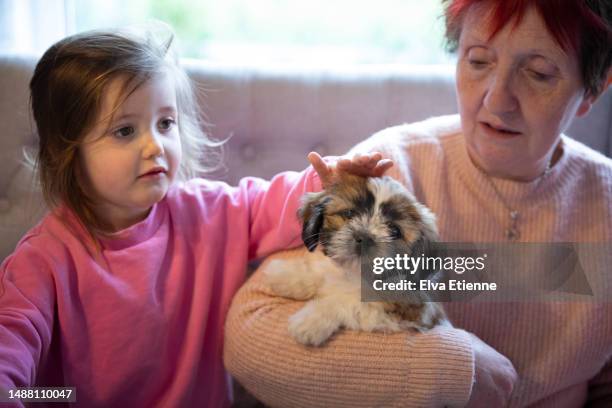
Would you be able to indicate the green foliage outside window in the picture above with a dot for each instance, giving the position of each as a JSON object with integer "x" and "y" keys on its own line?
{"x": 386, "y": 31}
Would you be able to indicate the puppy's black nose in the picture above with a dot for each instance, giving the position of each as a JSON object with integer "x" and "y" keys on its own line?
{"x": 363, "y": 240}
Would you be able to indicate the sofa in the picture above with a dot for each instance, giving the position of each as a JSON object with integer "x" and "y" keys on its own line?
{"x": 272, "y": 115}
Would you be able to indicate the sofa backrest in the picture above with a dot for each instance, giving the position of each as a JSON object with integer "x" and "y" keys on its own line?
{"x": 274, "y": 116}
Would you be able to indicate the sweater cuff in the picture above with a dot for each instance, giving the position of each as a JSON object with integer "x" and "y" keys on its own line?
{"x": 441, "y": 367}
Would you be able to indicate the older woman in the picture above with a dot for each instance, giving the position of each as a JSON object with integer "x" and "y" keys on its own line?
{"x": 500, "y": 171}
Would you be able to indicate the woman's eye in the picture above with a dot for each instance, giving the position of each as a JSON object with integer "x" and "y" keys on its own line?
{"x": 124, "y": 132}
{"x": 347, "y": 214}
{"x": 394, "y": 231}
{"x": 477, "y": 64}
{"x": 539, "y": 76}
{"x": 166, "y": 124}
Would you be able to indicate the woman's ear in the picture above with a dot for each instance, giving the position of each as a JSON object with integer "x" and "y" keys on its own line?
{"x": 589, "y": 99}
{"x": 312, "y": 213}
{"x": 585, "y": 105}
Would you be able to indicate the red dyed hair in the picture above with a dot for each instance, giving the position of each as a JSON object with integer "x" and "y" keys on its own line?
{"x": 582, "y": 27}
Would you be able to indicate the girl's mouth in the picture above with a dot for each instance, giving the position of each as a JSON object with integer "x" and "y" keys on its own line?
{"x": 156, "y": 172}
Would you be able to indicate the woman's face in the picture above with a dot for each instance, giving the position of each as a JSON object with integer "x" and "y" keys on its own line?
{"x": 516, "y": 92}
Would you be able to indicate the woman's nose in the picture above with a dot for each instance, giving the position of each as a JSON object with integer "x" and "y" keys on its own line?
{"x": 500, "y": 97}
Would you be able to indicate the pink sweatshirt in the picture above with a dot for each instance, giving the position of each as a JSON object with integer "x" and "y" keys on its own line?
{"x": 141, "y": 323}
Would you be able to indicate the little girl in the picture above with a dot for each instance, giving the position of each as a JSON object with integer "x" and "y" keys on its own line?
{"x": 122, "y": 289}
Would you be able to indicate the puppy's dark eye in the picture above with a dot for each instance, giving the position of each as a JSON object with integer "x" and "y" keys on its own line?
{"x": 394, "y": 231}
{"x": 347, "y": 214}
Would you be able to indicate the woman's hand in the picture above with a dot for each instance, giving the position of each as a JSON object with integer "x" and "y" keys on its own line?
{"x": 495, "y": 377}
{"x": 365, "y": 165}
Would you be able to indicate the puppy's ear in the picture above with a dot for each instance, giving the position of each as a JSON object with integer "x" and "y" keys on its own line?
{"x": 427, "y": 222}
{"x": 312, "y": 213}
{"x": 426, "y": 245}
{"x": 428, "y": 249}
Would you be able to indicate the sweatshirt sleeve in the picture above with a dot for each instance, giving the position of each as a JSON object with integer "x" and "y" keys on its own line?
{"x": 273, "y": 207}
{"x": 27, "y": 303}
{"x": 354, "y": 369}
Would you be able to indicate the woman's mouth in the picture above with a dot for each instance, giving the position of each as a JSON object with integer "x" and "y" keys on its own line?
{"x": 498, "y": 131}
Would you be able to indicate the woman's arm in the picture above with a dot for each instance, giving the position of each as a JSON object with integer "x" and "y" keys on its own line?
{"x": 354, "y": 369}
{"x": 360, "y": 369}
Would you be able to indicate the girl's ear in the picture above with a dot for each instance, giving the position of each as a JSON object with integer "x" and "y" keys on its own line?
{"x": 312, "y": 214}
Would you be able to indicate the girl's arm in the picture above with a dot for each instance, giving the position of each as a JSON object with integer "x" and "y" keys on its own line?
{"x": 27, "y": 300}
{"x": 354, "y": 369}
{"x": 273, "y": 205}
{"x": 272, "y": 210}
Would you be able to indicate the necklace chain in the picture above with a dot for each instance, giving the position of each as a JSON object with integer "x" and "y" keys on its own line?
{"x": 512, "y": 233}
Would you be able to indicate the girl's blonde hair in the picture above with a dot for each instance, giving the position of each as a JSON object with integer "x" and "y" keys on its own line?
{"x": 66, "y": 93}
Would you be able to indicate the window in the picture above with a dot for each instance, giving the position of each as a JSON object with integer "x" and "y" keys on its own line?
{"x": 319, "y": 31}
{"x": 247, "y": 31}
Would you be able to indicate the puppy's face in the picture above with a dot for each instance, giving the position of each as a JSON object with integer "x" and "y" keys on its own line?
{"x": 365, "y": 217}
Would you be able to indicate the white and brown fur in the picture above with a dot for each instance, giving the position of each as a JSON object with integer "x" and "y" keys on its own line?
{"x": 339, "y": 221}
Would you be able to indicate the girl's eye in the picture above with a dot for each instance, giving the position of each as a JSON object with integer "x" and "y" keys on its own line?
{"x": 347, "y": 214}
{"x": 124, "y": 132}
{"x": 166, "y": 124}
{"x": 394, "y": 231}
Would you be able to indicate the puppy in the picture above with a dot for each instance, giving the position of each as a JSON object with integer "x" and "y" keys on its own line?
{"x": 355, "y": 219}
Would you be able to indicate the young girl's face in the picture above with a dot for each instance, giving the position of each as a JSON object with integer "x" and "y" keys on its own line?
{"x": 131, "y": 156}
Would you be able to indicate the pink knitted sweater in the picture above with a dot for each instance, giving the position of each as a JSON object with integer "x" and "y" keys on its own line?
{"x": 560, "y": 350}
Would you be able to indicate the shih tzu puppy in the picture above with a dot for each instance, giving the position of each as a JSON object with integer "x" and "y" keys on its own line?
{"x": 354, "y": 219}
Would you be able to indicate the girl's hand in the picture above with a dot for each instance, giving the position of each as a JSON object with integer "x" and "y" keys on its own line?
{"x": 365, "y": 165}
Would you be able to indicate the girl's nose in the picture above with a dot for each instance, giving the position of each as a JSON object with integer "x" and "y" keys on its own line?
{"x": 153, "y": 146}
{"x": 500, "y": 97}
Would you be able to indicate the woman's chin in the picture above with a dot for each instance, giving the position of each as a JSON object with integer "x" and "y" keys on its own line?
{"x": 499, "y": 161}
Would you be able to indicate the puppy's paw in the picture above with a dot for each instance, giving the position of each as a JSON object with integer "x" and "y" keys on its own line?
{"x": 291, "y": 280}
{"x": 311, "y": 328}
{"x": 415, "y": 326}
{"x": 431, "y": 315}
{"x": 372, "y": 317}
